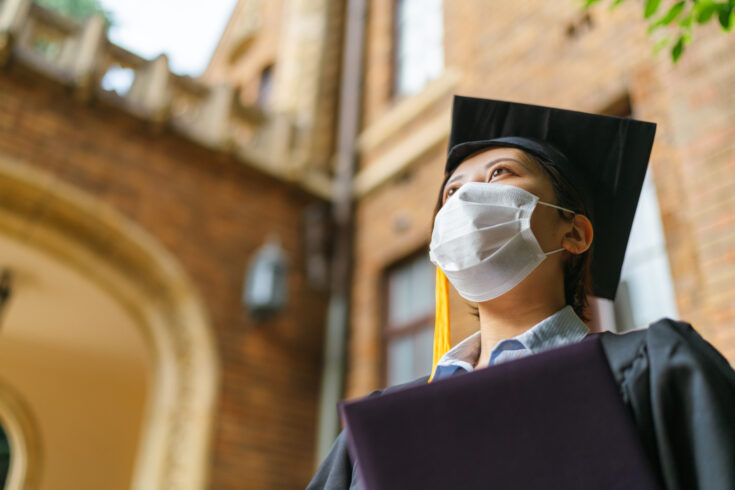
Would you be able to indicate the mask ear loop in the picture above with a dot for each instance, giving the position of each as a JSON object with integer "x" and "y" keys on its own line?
{"x": 557, "y": 207}
{"x": 563, "y": 209}
{"x": 441, "y": 322}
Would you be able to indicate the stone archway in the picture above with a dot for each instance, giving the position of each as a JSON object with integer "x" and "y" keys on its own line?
{"x": 147, "y": 281}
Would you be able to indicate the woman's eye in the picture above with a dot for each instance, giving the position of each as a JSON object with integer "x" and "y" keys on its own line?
{"x": 498, "y": 172}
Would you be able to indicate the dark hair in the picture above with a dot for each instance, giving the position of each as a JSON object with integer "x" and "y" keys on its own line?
{"x": 577, "y": 277}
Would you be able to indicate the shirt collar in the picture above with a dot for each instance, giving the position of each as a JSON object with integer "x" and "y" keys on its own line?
{"x": 563, "y": 327}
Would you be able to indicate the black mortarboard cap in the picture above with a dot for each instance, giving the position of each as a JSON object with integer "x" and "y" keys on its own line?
{"x": 604, "y": 158}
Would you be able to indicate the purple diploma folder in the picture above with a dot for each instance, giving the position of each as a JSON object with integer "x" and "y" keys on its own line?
{"x": 554, "y": 420}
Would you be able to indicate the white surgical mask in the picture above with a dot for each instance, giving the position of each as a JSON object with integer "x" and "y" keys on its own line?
{"x": 482, "y": 239}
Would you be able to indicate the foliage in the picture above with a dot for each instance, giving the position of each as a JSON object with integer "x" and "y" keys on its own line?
{"x": 682, "y": 16}
{"x": 79, "y": 10}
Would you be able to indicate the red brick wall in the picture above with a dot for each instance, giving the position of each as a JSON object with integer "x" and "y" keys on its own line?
{"x": 701, "y": 109}
{"x": 211, "y": 212}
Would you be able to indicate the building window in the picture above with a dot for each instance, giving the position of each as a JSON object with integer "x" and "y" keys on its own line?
{"x": 646, "y": 262}
{"x": 265, "y": 87}
{"x": 409, "y": 325}
{"x": 419, "y": 48}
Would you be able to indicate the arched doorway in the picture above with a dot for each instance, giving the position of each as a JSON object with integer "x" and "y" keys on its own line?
{"x": 4, "y": 457}
{"x": 106, "y": 340}
{"x": 24, "y": 461}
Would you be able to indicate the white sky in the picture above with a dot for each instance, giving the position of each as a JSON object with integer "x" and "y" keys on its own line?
{"x": 186, "y": 30}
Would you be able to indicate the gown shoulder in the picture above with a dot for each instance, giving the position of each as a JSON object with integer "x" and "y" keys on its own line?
{"x": 680, "y": 391}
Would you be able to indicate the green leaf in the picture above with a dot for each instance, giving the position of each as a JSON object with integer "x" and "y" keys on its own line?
{"x": 589, "y": 3}
{"x": 651, "y": 8}
{"x": 678, "y": 49}
{"x": 704, "y": 10}
{"x": 669, "y": 16}
{"x": 726, "y": 16}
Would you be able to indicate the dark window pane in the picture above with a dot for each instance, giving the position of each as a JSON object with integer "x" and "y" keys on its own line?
{"x": 4, "y": 457}
{"x": 400, "y": 360}
{"x": 410, "y": 292}
{"x": 266, "y": 86}
{"x": 410, "y": 328}
{"x": 424, "y": 351}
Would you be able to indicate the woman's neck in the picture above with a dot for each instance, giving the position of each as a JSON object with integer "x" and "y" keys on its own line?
{"x": 511, "y": 315}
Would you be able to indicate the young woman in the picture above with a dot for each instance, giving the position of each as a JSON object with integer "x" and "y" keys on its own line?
{"x": 526, "y": 190}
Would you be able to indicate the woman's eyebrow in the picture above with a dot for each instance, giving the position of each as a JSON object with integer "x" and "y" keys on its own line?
{"x": 454, "y": 177}
{"x": 493, "y": 162}
{"x": 489, "y": 164}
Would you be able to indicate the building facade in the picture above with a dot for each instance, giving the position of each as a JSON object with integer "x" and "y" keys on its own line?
{"x": 130, "y": 219}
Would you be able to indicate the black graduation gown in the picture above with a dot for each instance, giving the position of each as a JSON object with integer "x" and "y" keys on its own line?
{"x": 681, "y": 394}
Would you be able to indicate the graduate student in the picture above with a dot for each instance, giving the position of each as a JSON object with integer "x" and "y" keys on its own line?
{"x": 534, "y": 215}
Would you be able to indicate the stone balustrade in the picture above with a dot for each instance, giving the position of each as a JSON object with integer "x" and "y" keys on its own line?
{"x": 80, "y": 56}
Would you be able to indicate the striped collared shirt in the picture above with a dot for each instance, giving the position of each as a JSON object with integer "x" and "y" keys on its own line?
{"x": 563, "y": 327}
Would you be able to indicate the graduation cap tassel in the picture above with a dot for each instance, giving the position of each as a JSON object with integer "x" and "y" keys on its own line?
{"x": 441, "y": 323}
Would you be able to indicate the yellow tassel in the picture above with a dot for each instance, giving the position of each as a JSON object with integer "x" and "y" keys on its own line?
{"x": 441, "y": 323}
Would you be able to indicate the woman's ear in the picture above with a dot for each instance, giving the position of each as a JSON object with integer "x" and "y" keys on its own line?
{"x": 579, "y": 239}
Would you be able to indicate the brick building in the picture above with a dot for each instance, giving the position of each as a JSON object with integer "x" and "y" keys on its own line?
{"x": 154, "y": 201}
{"x": 129, "y": 220}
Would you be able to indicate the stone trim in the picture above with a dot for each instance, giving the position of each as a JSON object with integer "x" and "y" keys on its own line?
{"x": 406, "y": 111}
{"x": 210, "y": 115}
{"x": 147, "y": 280}
{"x": 399, "y": 158}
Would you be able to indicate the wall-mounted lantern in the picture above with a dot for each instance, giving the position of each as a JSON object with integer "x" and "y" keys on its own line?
{"x": 266, "y": 280}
